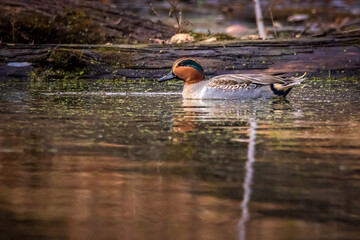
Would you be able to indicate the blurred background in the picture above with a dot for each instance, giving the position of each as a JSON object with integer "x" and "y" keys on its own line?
{"x": 116, "y": 21}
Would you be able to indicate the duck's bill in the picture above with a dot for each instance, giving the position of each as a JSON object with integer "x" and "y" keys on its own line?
{"x": 170, "y": 76}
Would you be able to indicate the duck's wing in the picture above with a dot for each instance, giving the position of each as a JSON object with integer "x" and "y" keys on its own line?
{"x": 245, "y": 80}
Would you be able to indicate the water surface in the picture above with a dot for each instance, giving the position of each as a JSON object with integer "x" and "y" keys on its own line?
{"x": 88, "y": 159}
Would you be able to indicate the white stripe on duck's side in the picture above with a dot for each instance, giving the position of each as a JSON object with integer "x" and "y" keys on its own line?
{"x": 229, "y": 86}
{"x": 211, "y": 90}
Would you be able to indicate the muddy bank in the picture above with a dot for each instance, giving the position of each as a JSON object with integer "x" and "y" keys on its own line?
{"x": 337, "y": 56}
{"x": 90, "y": 22}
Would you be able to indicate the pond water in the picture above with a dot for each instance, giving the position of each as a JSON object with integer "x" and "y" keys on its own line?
{"x": 86, "y": 159}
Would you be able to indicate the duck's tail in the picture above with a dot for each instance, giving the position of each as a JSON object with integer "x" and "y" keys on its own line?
{"x": 290, "y": 82}
{"x": 282, "y": 89}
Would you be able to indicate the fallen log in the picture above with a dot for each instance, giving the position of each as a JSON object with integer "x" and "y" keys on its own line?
{"x": 337, "y": 56}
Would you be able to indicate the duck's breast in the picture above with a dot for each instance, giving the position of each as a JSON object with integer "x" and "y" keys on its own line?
{"x": 195, "y": 90}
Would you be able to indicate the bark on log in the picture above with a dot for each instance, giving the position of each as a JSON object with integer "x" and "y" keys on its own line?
{"x": 338, "y": 56}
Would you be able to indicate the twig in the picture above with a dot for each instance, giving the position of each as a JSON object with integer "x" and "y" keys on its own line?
{"x": 272, "y": 20}
{"x": 13, "y": 30}
{"x": 153, "y": 10}
{"x": 270, "y": 6}
{"x": 180, "y": 20}
{"x": 174, "y": 10}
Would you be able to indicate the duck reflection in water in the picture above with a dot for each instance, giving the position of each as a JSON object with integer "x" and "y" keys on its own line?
{"x": 224, "y": 113}
{"x": 198, "y": 114}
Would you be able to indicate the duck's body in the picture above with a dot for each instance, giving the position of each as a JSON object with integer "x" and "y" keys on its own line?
{"x": 228, "y": 86}
{"x": 239, "y": 86}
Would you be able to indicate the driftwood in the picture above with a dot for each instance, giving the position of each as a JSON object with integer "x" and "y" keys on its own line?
{"x": 338, "y": 56}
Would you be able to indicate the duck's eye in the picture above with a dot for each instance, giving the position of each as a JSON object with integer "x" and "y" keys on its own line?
{"x": 191, "y": 63}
